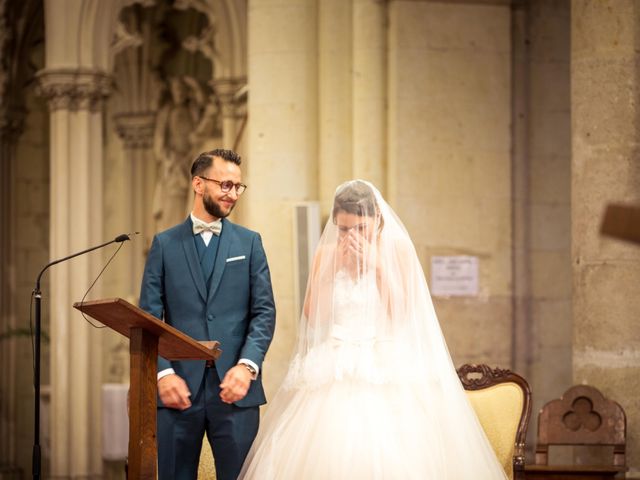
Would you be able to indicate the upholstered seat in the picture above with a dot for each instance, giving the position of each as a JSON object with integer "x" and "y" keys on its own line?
{"x": 502, "y": 402}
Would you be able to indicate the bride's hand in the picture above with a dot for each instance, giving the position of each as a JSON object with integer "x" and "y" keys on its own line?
{"x": 355, "y": 251}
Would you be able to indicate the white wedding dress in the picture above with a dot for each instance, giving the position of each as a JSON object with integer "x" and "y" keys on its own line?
{"x": 371, "y": 392}
{"x": 357, "y": 406}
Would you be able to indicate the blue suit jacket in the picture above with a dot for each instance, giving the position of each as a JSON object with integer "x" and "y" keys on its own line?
{"x": 238, "y": 310}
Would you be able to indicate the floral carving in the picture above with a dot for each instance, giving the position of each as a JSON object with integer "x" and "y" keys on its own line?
{"x": 74, "y": 89}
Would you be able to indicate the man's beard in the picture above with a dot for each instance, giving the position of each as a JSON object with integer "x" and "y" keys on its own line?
{"x": 213, "y": 208}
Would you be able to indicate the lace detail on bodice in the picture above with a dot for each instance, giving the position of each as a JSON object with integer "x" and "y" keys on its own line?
{"x": 356, "y": 307}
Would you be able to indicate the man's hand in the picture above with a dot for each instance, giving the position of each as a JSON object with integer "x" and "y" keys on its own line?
{"x": 174, "y": 392}
{"x": 235, "y": 384}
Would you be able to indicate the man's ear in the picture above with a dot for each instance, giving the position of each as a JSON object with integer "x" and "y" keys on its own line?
{"x": 196, "y": 183}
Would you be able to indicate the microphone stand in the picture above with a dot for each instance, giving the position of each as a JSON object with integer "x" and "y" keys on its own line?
{"x": 36, "y": 458}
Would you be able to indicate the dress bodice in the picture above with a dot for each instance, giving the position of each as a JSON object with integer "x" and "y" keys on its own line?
{"x": 356, "y": 305}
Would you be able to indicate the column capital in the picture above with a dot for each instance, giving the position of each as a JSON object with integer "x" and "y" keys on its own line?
{"x": 136, "y": 129}
{"x": 74, "y": 89}
{"x": 229, "y": 90}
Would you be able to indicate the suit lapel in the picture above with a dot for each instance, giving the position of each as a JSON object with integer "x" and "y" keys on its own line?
{"x": 192, "y": 259}
{"x": 221, "y": 258}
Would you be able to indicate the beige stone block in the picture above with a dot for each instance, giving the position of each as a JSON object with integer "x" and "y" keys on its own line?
{"x": 368, "y": 24}
{"x": 293, "y": 83}
{"x": 549, "y": 31}
{"x": 491, "y": 175}
{"x": 460, "y": 77}
{"x": 549, "y": 134}
{"x": 32, "y": 198}
{"x": 451, "y": 26}
{"x": 552, "y": 374}
{"x": 439, "y": 220}
{"x": 606, "y": 305}
{"x": 495, "y": 224}
{"x": 281, "y": 26}
{"x": 604, "y": 102}
{"x": 604, "y": 28}
{"x": 553, "y": 326}
{"x": 550, "y": 178}
{"x": 550, "y": 274}
{"x": 438, "y": 121}
{"x": 549, "y": 85}
{"x": 477, "y": 330}
{"x": 551, "y": 228}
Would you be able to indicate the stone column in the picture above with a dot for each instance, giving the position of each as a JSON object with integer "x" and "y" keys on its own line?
{"x": 605, "y": 100}
{"x": 11, "y": 124}
{"x": 335, "y": 108}
{"x": 226, "y": 89}
{"x": 369, "y": 91}
{"x": 281, "y": 165}
{"x": 136, "y": 131}
{"x": 76, "y": 223}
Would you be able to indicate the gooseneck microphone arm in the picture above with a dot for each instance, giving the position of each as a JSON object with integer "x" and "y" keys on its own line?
{"x": 37, "y": 294}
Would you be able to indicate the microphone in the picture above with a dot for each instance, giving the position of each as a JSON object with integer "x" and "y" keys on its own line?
{"x": 124, "y": 237}
{"x": 37, "y": 294}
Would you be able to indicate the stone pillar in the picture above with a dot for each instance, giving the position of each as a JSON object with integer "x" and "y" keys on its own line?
{"x": 605, "y": 100}
{"x": 76, "y": 223}
{"x": 11, "y": 123}
{"x": 369, "y": 91}
{"x": 335, "y": 108}
{"x": 136, "y": 131}
{"x": 226, "y": 90}
{"x": 281, "y": 165}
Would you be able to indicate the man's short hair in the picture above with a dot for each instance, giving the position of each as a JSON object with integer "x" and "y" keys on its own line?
{"x": 205, "y": 160}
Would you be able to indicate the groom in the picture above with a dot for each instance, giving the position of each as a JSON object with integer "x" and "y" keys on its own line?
{"x": 210, "y": 279}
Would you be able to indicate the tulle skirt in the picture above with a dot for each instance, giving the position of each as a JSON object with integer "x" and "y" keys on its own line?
{"x": 365, "y": 423}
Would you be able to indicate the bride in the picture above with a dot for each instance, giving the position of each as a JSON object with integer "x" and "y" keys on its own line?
{"x": 371, "y": 392}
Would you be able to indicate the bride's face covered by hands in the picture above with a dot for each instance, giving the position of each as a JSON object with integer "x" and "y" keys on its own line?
{"x": 358, "y": 223}
{"x": 356, "y": 240}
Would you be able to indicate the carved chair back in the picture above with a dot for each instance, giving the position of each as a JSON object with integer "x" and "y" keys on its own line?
{"x": 502, "y": 402}
{"x": 582, "y": 416}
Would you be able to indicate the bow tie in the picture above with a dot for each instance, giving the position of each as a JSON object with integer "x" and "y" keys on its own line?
{"x": 200, "y": 226}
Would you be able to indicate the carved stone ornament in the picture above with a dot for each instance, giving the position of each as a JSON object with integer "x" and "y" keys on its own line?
{"x": 74, "y": 89}
{"x": 135, "y": 129}
{"x": 232, "y": 94}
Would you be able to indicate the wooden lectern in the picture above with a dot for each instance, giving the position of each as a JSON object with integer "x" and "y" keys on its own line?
{"x": 148, "y": 338}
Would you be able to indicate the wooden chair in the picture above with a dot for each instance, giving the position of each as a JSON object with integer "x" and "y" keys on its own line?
{"x": 582, "y": 416}
{"x": 502, "y": 402}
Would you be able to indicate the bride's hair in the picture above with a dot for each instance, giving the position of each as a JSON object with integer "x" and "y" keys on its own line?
{"x": 357, "y": 198}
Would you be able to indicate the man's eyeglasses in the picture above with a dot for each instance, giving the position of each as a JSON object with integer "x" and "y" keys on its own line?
{"x": 227, "y": 185}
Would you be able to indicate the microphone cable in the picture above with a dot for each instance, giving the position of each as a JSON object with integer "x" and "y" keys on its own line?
{"x": 96, "y": 279}
{"x": 119, "y": 239}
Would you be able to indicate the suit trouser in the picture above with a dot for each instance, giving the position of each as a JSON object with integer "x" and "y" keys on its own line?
{"x": 230, "y": 430}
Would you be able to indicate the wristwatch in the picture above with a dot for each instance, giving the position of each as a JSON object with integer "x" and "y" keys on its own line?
{"x": 252, "y": 370}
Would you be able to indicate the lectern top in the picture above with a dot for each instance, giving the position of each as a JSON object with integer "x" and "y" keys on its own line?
{"x": 122, "y": 316}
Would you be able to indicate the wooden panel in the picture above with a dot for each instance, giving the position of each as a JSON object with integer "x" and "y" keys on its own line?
{"x": 143, "y": 461}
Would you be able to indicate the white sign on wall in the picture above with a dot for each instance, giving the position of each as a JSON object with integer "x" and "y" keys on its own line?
{"x": 454, "y": 276}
